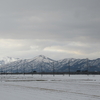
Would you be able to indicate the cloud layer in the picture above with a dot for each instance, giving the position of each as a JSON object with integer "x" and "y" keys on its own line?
{"x": 55, "y": 28}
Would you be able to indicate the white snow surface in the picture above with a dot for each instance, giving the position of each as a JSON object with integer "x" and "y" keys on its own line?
{"x": 49, "y": 87}
{"x": 5, "y": 60}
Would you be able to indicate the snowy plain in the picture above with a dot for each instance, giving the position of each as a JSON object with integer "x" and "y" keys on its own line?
{"x": 49, "y": 87}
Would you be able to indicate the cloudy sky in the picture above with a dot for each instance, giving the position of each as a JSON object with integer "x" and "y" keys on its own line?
{"x": 55, "y": 28}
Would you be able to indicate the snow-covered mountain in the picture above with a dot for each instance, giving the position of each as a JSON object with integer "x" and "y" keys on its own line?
{"x": 5, "y": 60}
{"x": 45, "y": 64}
{"x": 39, "y": 63}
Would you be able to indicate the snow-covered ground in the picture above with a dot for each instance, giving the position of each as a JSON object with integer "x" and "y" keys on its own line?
{"x": 49, "y": 87}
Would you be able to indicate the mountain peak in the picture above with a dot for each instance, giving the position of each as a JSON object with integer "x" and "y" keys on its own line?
{"x": 41, "y": 56}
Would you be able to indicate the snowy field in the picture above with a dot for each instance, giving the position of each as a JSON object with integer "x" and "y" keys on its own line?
{"x": 49, "y": 87}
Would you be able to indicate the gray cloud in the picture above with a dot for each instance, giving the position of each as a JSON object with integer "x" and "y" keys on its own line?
{"x": 71, "y": 25}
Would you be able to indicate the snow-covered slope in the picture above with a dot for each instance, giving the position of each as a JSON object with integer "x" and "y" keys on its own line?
{"x": 45, "y": 64}
{"x": 5, "y": 60}
{"x": 39, "y": 63}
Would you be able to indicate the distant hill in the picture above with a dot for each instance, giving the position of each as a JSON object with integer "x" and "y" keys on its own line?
{"x": 45, "y": 64}
{"x": 5, "y": 60}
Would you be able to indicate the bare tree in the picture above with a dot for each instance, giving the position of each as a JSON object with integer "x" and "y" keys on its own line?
{"x": 87, "y": 66}
{"x": 69, "y": 67}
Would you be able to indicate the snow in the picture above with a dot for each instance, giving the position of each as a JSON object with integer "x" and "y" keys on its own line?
{"x": 14, "y": 65}
{"x": 5, "y": 60}
{"x": 49, "y": 87}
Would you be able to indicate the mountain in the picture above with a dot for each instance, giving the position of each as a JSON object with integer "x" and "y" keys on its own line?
{"x": 45, "y": 64}
{"x": 5, "y": 60}
{"x": 39, "y": 63}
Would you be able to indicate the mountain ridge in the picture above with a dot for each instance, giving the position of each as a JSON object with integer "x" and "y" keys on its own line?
{"x": 7, "y": 59}
{"x": 44, "y": 64}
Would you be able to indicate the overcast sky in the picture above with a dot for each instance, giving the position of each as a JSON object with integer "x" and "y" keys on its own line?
{"x": 55, "y": 28}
